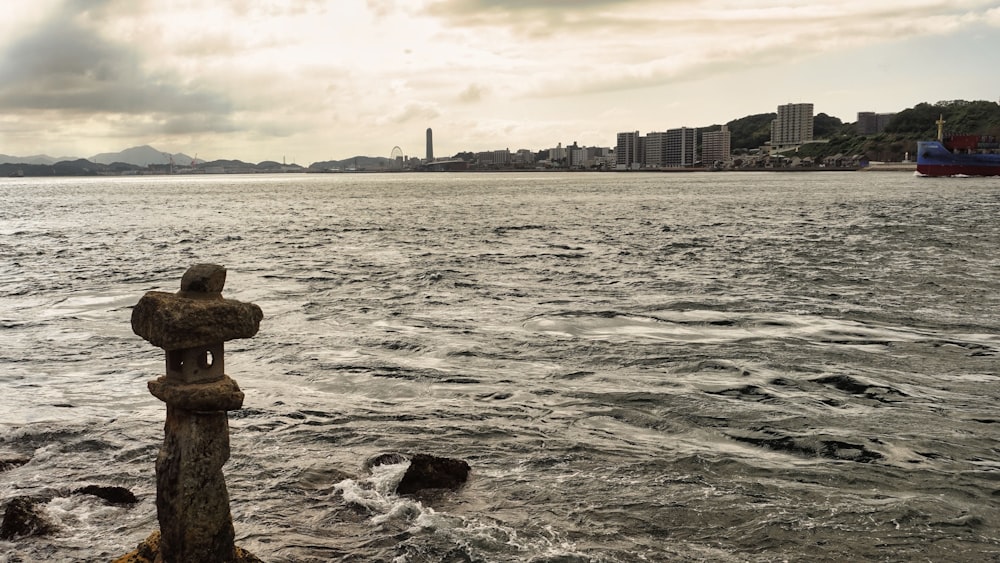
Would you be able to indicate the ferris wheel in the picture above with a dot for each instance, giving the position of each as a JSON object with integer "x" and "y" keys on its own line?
{"x": 396, "y": 157}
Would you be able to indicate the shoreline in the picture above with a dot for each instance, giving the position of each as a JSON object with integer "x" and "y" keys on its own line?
{"x": 875, "y": 167}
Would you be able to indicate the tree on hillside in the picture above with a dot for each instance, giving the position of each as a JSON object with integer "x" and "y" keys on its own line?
{"x": 961, "y": 117}
{"x": 825, "y": 126}
{"x": 751, "y": 131}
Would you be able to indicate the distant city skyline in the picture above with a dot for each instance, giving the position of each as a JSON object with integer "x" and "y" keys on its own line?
{"x": 321, "y": 80}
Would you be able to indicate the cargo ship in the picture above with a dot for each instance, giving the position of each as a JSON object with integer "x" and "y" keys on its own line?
{"x": 959, "y": 155}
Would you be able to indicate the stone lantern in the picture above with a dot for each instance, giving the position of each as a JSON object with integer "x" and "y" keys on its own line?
{"x": 192, "y": 325}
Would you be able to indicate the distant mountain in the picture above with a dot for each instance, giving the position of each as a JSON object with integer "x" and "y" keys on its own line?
{"x": 356, "y": 163}
{"x": 36, "y": 159}
{"x": 141, "y": 156}
{"x": 72, "y": 167}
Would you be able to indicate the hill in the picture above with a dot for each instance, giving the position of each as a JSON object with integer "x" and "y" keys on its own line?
{"x": 75, "y": 167}
{"x": 751, "y": 131}
{"x": 42, "y": 159}
{"x": 355, "y": 163}
{"x": 141, "y": 156}
{"x": 899, "y": 140}
{"x": 960, "y": 116}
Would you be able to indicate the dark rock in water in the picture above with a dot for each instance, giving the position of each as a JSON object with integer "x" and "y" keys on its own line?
{"x": 24, "y": 518}
{"x": 10, "y": 463}
{"x": 430, "y": 472}
{"x": 114, "y": 495}
{"x": 391, "y": 458}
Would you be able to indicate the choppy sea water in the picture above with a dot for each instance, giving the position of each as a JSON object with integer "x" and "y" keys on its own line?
{"x": 638, "y": 367}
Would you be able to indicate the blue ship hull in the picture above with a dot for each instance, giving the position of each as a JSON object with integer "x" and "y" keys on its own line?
{"x": 934, "y": 159}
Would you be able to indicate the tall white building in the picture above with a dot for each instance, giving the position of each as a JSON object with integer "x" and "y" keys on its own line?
{"x": 793, "y": 126}
{"x": 716, "y": 147}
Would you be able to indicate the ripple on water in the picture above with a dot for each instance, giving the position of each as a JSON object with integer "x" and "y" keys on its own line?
{"x": 638, "y": 367}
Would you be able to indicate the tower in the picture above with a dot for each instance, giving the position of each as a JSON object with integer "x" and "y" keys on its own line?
{"x": 430, "y": 145}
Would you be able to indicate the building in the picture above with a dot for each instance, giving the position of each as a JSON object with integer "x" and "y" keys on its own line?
{"x": 430, "y": 145}
{"x": 494, "y": 159}
{"x": 523, "y": 157}
{"x": 681, "y": 149}
{"x": 793, "y": 126}
{"x": 654, "y": 154}
{"x": 673, "y": 148}
{"x": 871, "y": 123}
{"x": 590, "y": 157}
{"x": 628, "y": 153}
{"x": 716, "y": 147}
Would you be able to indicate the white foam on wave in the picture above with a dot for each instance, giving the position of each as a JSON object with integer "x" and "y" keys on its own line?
{"x": 475, "y": 535}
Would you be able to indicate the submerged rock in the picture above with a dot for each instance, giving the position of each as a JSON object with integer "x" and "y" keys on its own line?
{"x": 114, "y": 495}
{"x": 6, "y": 464}
{"x": 24, "y": 517}
{"x": 430, "y": 472}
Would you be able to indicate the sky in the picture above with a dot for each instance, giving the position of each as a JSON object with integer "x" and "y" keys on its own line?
{"x": 314, "y": 80}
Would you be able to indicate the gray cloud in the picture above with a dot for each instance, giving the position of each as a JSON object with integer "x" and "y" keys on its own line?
{"x": 473, "y": 93}
{"x": 605, "y": 19}
{"x": 67, "y": 67}
{"x": 412, "y": 111}
{"x": 534, "y": 17}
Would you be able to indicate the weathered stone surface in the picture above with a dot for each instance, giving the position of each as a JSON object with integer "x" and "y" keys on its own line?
{"x": 197, "y": 365}
{"x": 173, "y": 322}
{"x": 192, "y": 503}
{"x": 149, "y": 549}
{"x": 114, "y": 495}
{"x": 430, "y": 472}
{"x": 24, "y": 517}
{"x": 204, "y": 278}
{"x": 222, "y": 395}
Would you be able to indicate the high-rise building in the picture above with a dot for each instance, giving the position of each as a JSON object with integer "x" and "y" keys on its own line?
{"x": 430, "y": 145}
{"x": 716, "y": 146}
{"x": 654, "y": 154}
{"x": 793, "y": 126}
{"x": 681, "y": 149}
{"x": 871, "y": 123}
{"x": 627, "y": 151}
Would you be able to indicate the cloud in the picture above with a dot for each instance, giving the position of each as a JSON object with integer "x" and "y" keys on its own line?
{"x": 992, "y": 17}
{"x": 381, "y": 8}
{"x": 473, "y": 93}
{"x": 65, "y": 66}
{"x": 593, "y": 46}
{"x": 408, "y": 112}
{"x": 527, "y": 17}
{"x": 274, "y": 8}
